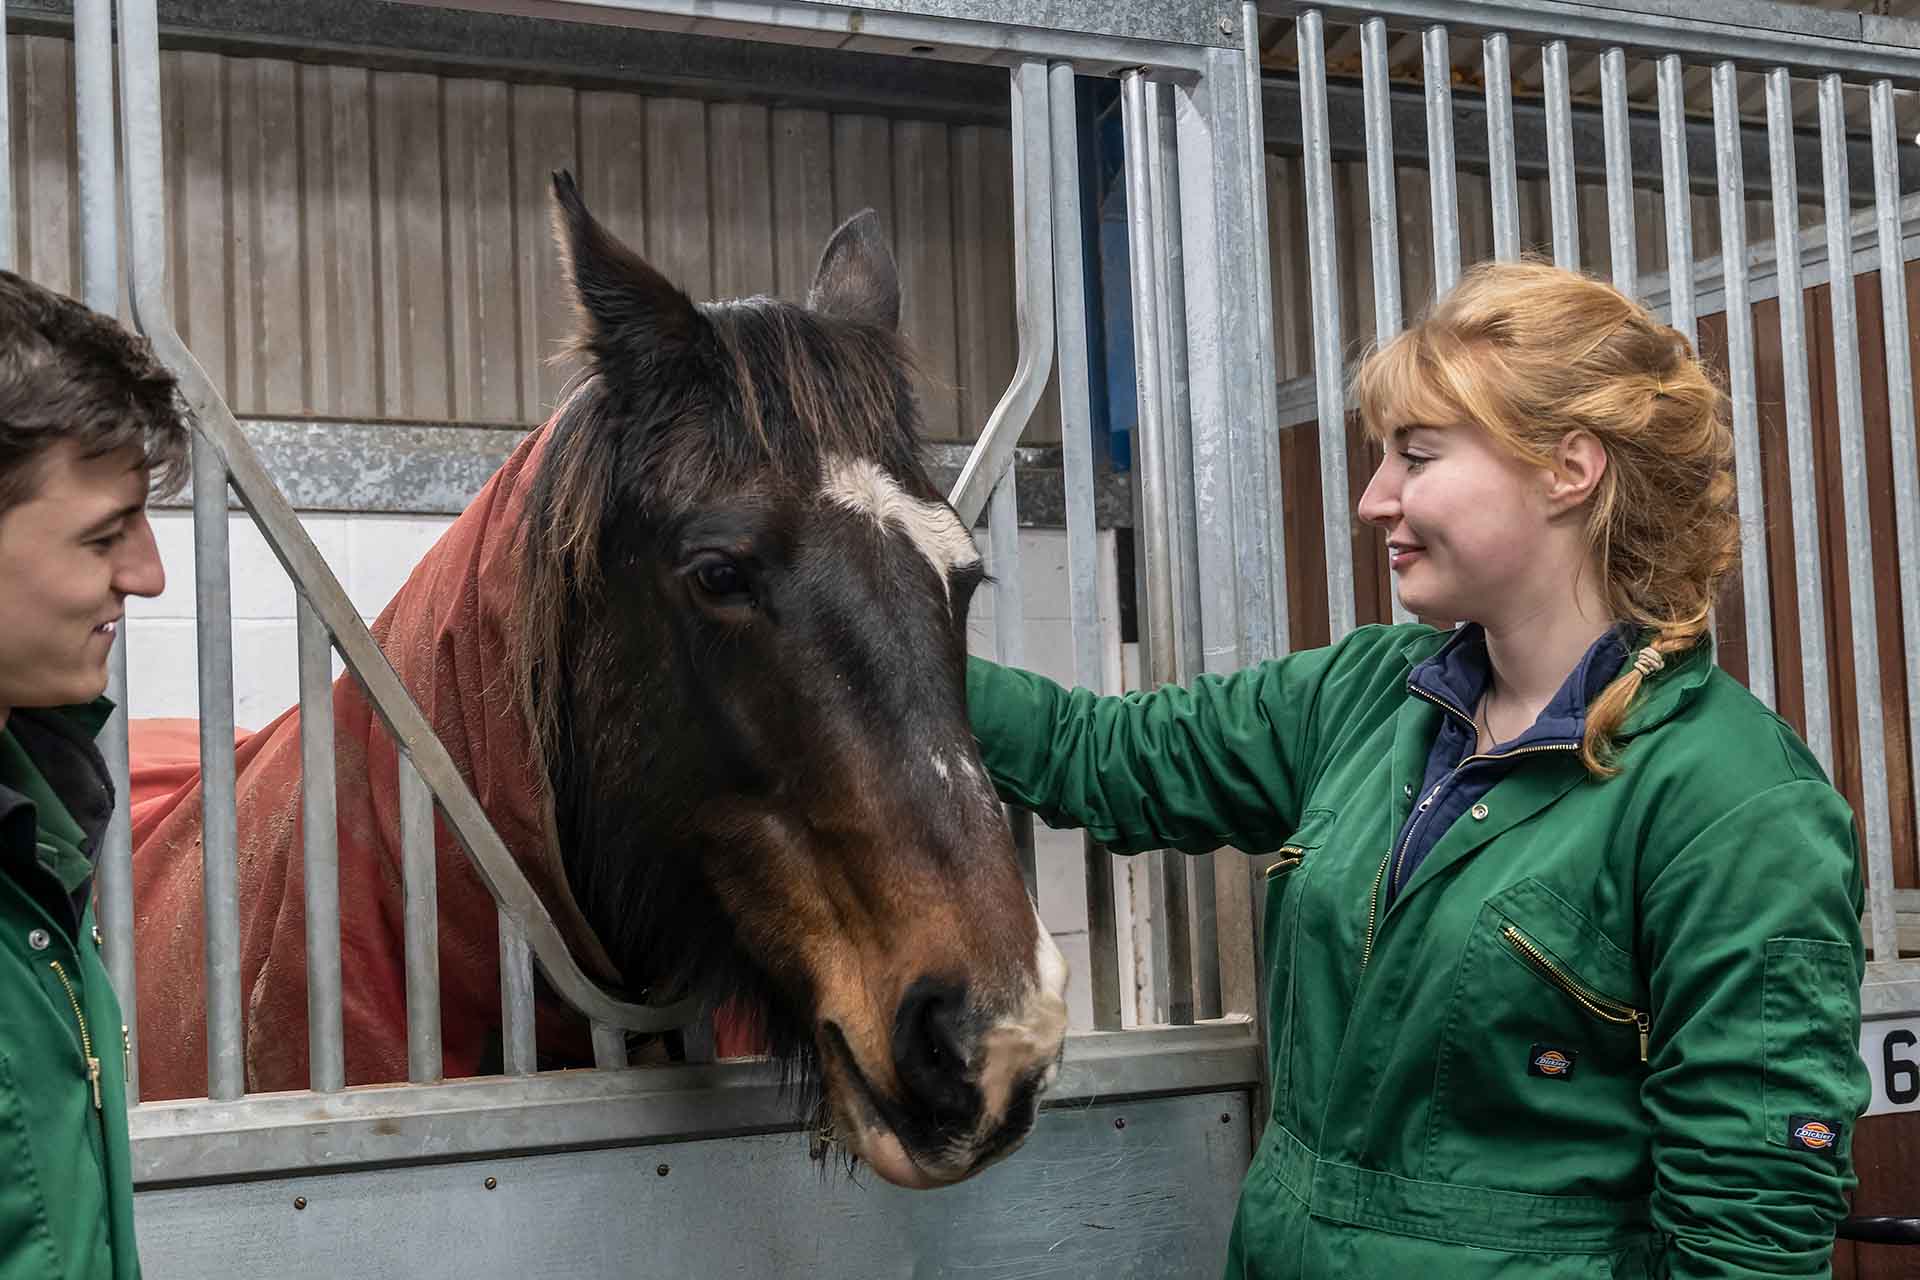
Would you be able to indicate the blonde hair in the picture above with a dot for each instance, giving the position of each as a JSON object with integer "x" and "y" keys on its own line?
{"x": 1532, "y": 353}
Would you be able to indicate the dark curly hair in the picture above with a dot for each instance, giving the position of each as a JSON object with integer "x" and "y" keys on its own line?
{"x": 69, "y": 373}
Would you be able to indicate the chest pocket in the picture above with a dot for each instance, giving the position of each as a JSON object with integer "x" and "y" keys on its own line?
{"x": 1544, "y": 1041}
{"x": 1285, "y": 872}
{"x": 1561, "y": 948}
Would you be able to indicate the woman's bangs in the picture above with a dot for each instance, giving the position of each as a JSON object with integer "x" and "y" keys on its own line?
{"x": 1398, "y": 386}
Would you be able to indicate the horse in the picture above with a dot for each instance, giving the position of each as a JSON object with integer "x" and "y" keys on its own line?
{"x": 699, "y": 647}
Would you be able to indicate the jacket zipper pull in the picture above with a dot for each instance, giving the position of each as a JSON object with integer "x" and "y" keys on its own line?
{"x": 93, "y": 1078}
{"x": 126, "y": 1048}
{"x": 1643, "y": 1022}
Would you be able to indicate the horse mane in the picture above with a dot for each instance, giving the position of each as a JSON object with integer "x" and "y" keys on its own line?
{"x": 755, "y": 407}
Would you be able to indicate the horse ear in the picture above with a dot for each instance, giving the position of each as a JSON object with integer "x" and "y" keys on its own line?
{"x": 629, "y": 312}
{"x": 857, "y": 279}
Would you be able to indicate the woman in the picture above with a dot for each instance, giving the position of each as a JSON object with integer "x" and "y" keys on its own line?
{"x": 1562, "y": 940}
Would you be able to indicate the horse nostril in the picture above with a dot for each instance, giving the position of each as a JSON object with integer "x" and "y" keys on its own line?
{"x": 929, "y": 1052}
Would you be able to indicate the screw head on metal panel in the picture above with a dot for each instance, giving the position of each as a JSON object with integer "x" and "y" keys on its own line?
{"x": 1119, "y": 1122}
{"x": 1226, "y": 25}
{"x": 1226, "y": 1117}
{"x": 491, "y": 1183}
{"x": 662, "y": 1170}
{"x": 299, "y": 1202}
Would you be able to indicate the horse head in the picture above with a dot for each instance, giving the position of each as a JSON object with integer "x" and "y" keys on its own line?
{"x": 745, "y": 608}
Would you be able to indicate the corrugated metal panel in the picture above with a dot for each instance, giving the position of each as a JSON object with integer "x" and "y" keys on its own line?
{"x": 349, "y": 243}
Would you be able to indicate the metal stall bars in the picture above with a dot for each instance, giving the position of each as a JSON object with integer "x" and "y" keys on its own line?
{"x": 355, "y": 1134}
{"x": 1767, "y": 45}
{"x": 222, "y": 455}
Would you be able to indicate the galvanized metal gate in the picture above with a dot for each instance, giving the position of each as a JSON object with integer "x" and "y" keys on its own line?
{"x": 590, "y": 1172}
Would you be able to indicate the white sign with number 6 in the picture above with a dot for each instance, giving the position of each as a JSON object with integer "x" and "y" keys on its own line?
{"x": 1891, "y": 1050}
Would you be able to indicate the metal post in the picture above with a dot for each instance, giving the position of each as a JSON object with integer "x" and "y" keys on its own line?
{"x": 147, "y": 245}
{"x": 518, "y": 1051}
{"x": 1504, "y": 183}
{"x": 1843, "y": 306}
{"x": 1033, "y": 296}
{"x": 1076, "y": 460}
{"x": 1163, "y": 151}
{"x": 1740, "y": 371}
{"x": 1560, "y": 182}
{"x": 1174, "y": 974}
{"x": 100, "y": 290}
{"x": 320, "y": 851}
{"x": 1673, "y": 172}
{"x": 1620, "y": 229}
{"x": 1150, "y": 375}
{"x": 1900, "y": 418}
{"x": 1009, "y": 630}
{"x": 1194, "y": 876}
{"x": 1263, "y": 502}
{"x": 1033, "y": 287}
{"x": 1437, "y": 75}
{"x": 1793, "y": 352}
{"x": 1329, "y": 373}
{"x": 6, "y": 150}
{"x": 1383, "y": 218}
{"x": 419, "y": 876}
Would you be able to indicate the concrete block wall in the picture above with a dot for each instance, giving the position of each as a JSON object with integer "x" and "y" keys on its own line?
{"x": 373, "y": 554}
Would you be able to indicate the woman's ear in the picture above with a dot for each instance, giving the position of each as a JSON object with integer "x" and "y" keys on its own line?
{"x": 1579, "y": 463}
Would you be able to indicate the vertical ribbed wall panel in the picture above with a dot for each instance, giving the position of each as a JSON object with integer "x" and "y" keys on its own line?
{"x": 376, "y": 245}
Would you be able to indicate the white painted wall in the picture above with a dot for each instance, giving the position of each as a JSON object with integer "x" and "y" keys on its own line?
{"x": 372, "y": 555}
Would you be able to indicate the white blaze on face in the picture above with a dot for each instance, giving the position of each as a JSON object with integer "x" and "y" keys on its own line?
{"x": 936, "y": 533}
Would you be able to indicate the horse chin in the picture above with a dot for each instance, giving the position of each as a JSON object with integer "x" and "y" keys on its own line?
{"x": 888, "y": 1157}
{"x": 862, "y": 1129}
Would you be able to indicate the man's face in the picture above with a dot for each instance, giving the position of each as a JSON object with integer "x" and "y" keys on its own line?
{"x": 70, "y": 555}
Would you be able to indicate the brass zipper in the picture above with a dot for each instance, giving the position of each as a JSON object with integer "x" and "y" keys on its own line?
{"x": 1395, "y": 855}
{"x": 86, "y": 1040}
{"x": 1289, "y": 857}
{"x": 1373, "y": 910}
{"x": 1602, "y": 1007}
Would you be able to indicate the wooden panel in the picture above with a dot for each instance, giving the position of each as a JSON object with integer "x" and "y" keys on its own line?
{"x": 1414, "y": 208}
{"x": 1886, "y": 579}
{"x": 198, "y": 225}
{"x": 543, "y": 140}
{"x": 338, "y": 161}
{"x": 412, "y": 249}
{"x": 679, "y": 195}
{"x": 742, "y": 183}
{"x": 270, "y": 320}
{"x": 1292, "y": 314}
{"x": 923, "y": 246}
{"x": 983, "y": 235}
{"x": 803, "y": 188}
{"x": 613, "y": 164}
{"x": 483, "y": 281}
{"x": 1886, "y": 1157}
{"x": 863, "y": 169}
{"x": 46, "y": 195}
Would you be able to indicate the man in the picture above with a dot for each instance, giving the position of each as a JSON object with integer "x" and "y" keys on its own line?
{"x": 87, "y": 418}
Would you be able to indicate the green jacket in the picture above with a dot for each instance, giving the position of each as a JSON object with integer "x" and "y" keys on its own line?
{"x": 66, "y": 1181}
{"x": 1607, "y": 1029}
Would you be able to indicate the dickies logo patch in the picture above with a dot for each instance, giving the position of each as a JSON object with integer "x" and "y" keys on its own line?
{"x": 1805, "y": 1133}
{"x": 1550, "y": 1061}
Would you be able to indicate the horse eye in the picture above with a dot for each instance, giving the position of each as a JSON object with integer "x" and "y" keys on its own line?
{"x": 721, "y": 579}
